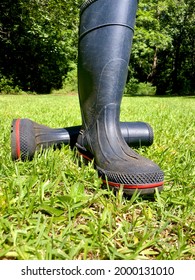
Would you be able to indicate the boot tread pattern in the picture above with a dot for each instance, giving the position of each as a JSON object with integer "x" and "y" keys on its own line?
{"x": 132, "y": 179}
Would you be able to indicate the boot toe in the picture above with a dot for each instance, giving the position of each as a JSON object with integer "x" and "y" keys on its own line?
{"x": 143, "y": 177}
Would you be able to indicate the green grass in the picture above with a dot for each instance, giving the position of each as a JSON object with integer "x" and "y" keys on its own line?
{"x": 50, "y": 208}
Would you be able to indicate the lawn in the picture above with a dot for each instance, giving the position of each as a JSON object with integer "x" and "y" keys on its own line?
{"x": 51, "y": 208}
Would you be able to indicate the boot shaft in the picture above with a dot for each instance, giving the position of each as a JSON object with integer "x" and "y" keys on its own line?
{"x": 96, "y": 14}
{"x": 105, "y": 39}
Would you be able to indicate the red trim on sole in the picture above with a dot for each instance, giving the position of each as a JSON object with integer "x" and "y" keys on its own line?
{"x": 85, "y": 157}
{"x": 146, "y": 186}
{"x": 17, "y": 131}
{"x": 117, "y": 185}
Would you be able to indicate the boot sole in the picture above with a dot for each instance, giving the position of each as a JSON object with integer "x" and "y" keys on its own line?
{"x": 15, "y": 139}
{"x": 128, "y": 189}
{"x": 22, "y": 140}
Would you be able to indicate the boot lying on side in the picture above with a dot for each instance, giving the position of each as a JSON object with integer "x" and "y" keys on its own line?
{"x": 28, "y": 137}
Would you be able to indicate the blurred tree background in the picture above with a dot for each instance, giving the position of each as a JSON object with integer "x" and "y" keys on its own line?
{"x": 38, "y": 47}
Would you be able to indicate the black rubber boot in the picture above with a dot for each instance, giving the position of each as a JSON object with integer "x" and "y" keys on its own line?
{"x": 27, "y": 137}
{"x": 106, "y": 32}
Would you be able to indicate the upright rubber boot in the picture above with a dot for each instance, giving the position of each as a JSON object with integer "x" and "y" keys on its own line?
{"x": 105, "y": 39}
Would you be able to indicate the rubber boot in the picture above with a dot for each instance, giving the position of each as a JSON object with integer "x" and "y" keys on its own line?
{"x": 105, "y": 39}
{"x": 27, "y": 137}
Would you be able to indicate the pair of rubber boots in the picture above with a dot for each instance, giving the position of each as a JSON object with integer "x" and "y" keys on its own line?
{"x": 105, "y": 40}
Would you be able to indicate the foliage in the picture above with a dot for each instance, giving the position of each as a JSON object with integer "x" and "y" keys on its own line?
{"x": 142, "y": 89}
{"x": 7, "y": 86}
{"x": 163, "y": 49}
{"x": 131, "y": 87}
{"x": 38, "y": 40}
{"x": 71, "y": 81}
{"x": 38, "y": 44}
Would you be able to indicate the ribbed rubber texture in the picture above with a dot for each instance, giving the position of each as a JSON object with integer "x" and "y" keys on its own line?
{"x": 137, "y": 179}
{"x": 23, "y": 144}
{"x": 27, "y": 137}
{"x": 145, "y": 182}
